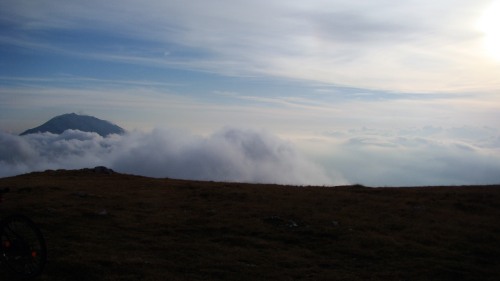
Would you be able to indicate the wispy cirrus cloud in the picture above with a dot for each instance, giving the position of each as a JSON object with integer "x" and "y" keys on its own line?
{"x": 407, "y": 46}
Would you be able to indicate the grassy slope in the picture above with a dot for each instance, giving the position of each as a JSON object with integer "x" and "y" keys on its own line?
{"x": 162, "y": 229}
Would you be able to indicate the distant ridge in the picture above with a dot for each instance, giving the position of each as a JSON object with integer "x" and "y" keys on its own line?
{"x": 73, "y": 121}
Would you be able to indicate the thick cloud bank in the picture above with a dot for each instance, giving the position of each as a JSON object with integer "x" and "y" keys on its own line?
{"x": 433, "y": 156}
{"x": 226, "y": 155}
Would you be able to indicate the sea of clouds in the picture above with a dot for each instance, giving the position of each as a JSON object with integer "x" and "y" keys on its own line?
{"x": 414, "y": 157}
{"x": 228, "y": 154}
{"x": 425, "y": 156}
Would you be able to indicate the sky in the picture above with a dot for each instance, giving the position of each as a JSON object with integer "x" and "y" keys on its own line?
{"x": 380, "y": 93}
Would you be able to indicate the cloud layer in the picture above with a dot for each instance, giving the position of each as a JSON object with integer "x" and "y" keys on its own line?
{"x": 226, "y": 155}
{"x": 417, "y": 157}
{"x": 422, "y": 156}
{"x": 390, "y": 45}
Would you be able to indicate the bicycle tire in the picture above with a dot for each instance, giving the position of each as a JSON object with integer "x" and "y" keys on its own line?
{"x": 23, "y": 248}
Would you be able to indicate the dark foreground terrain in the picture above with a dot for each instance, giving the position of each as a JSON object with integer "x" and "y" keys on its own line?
{"x": 101, "y": 226}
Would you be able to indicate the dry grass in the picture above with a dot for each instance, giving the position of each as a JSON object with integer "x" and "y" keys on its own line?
{"x": 121, "y": 227}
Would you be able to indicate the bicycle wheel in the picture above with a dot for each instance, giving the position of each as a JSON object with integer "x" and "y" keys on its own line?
{"x": 23, "y": 248}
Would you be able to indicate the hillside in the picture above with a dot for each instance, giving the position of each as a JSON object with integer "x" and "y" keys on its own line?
{"x": 73, "y": 121}
{"x": 108, "y": 226}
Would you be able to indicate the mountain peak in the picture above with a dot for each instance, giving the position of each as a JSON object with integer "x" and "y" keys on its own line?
{"x": 73, "y": 121}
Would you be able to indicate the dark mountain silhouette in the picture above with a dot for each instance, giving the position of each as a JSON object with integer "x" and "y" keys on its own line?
{"x": 84, "y": 123}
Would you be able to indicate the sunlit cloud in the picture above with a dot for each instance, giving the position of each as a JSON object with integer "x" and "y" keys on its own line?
{"x": 488, "y": 24}
{"x": 405, "y": 46}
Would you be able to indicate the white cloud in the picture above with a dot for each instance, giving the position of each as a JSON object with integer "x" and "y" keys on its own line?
{"x": 226, "y": 155}
{"x": 390, "y": 45}
{"x": 403, "y": 47}
{"x": 413, "y": 157}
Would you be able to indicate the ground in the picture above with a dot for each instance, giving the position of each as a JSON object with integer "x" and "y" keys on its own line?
{"x": 110, "y": 226}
